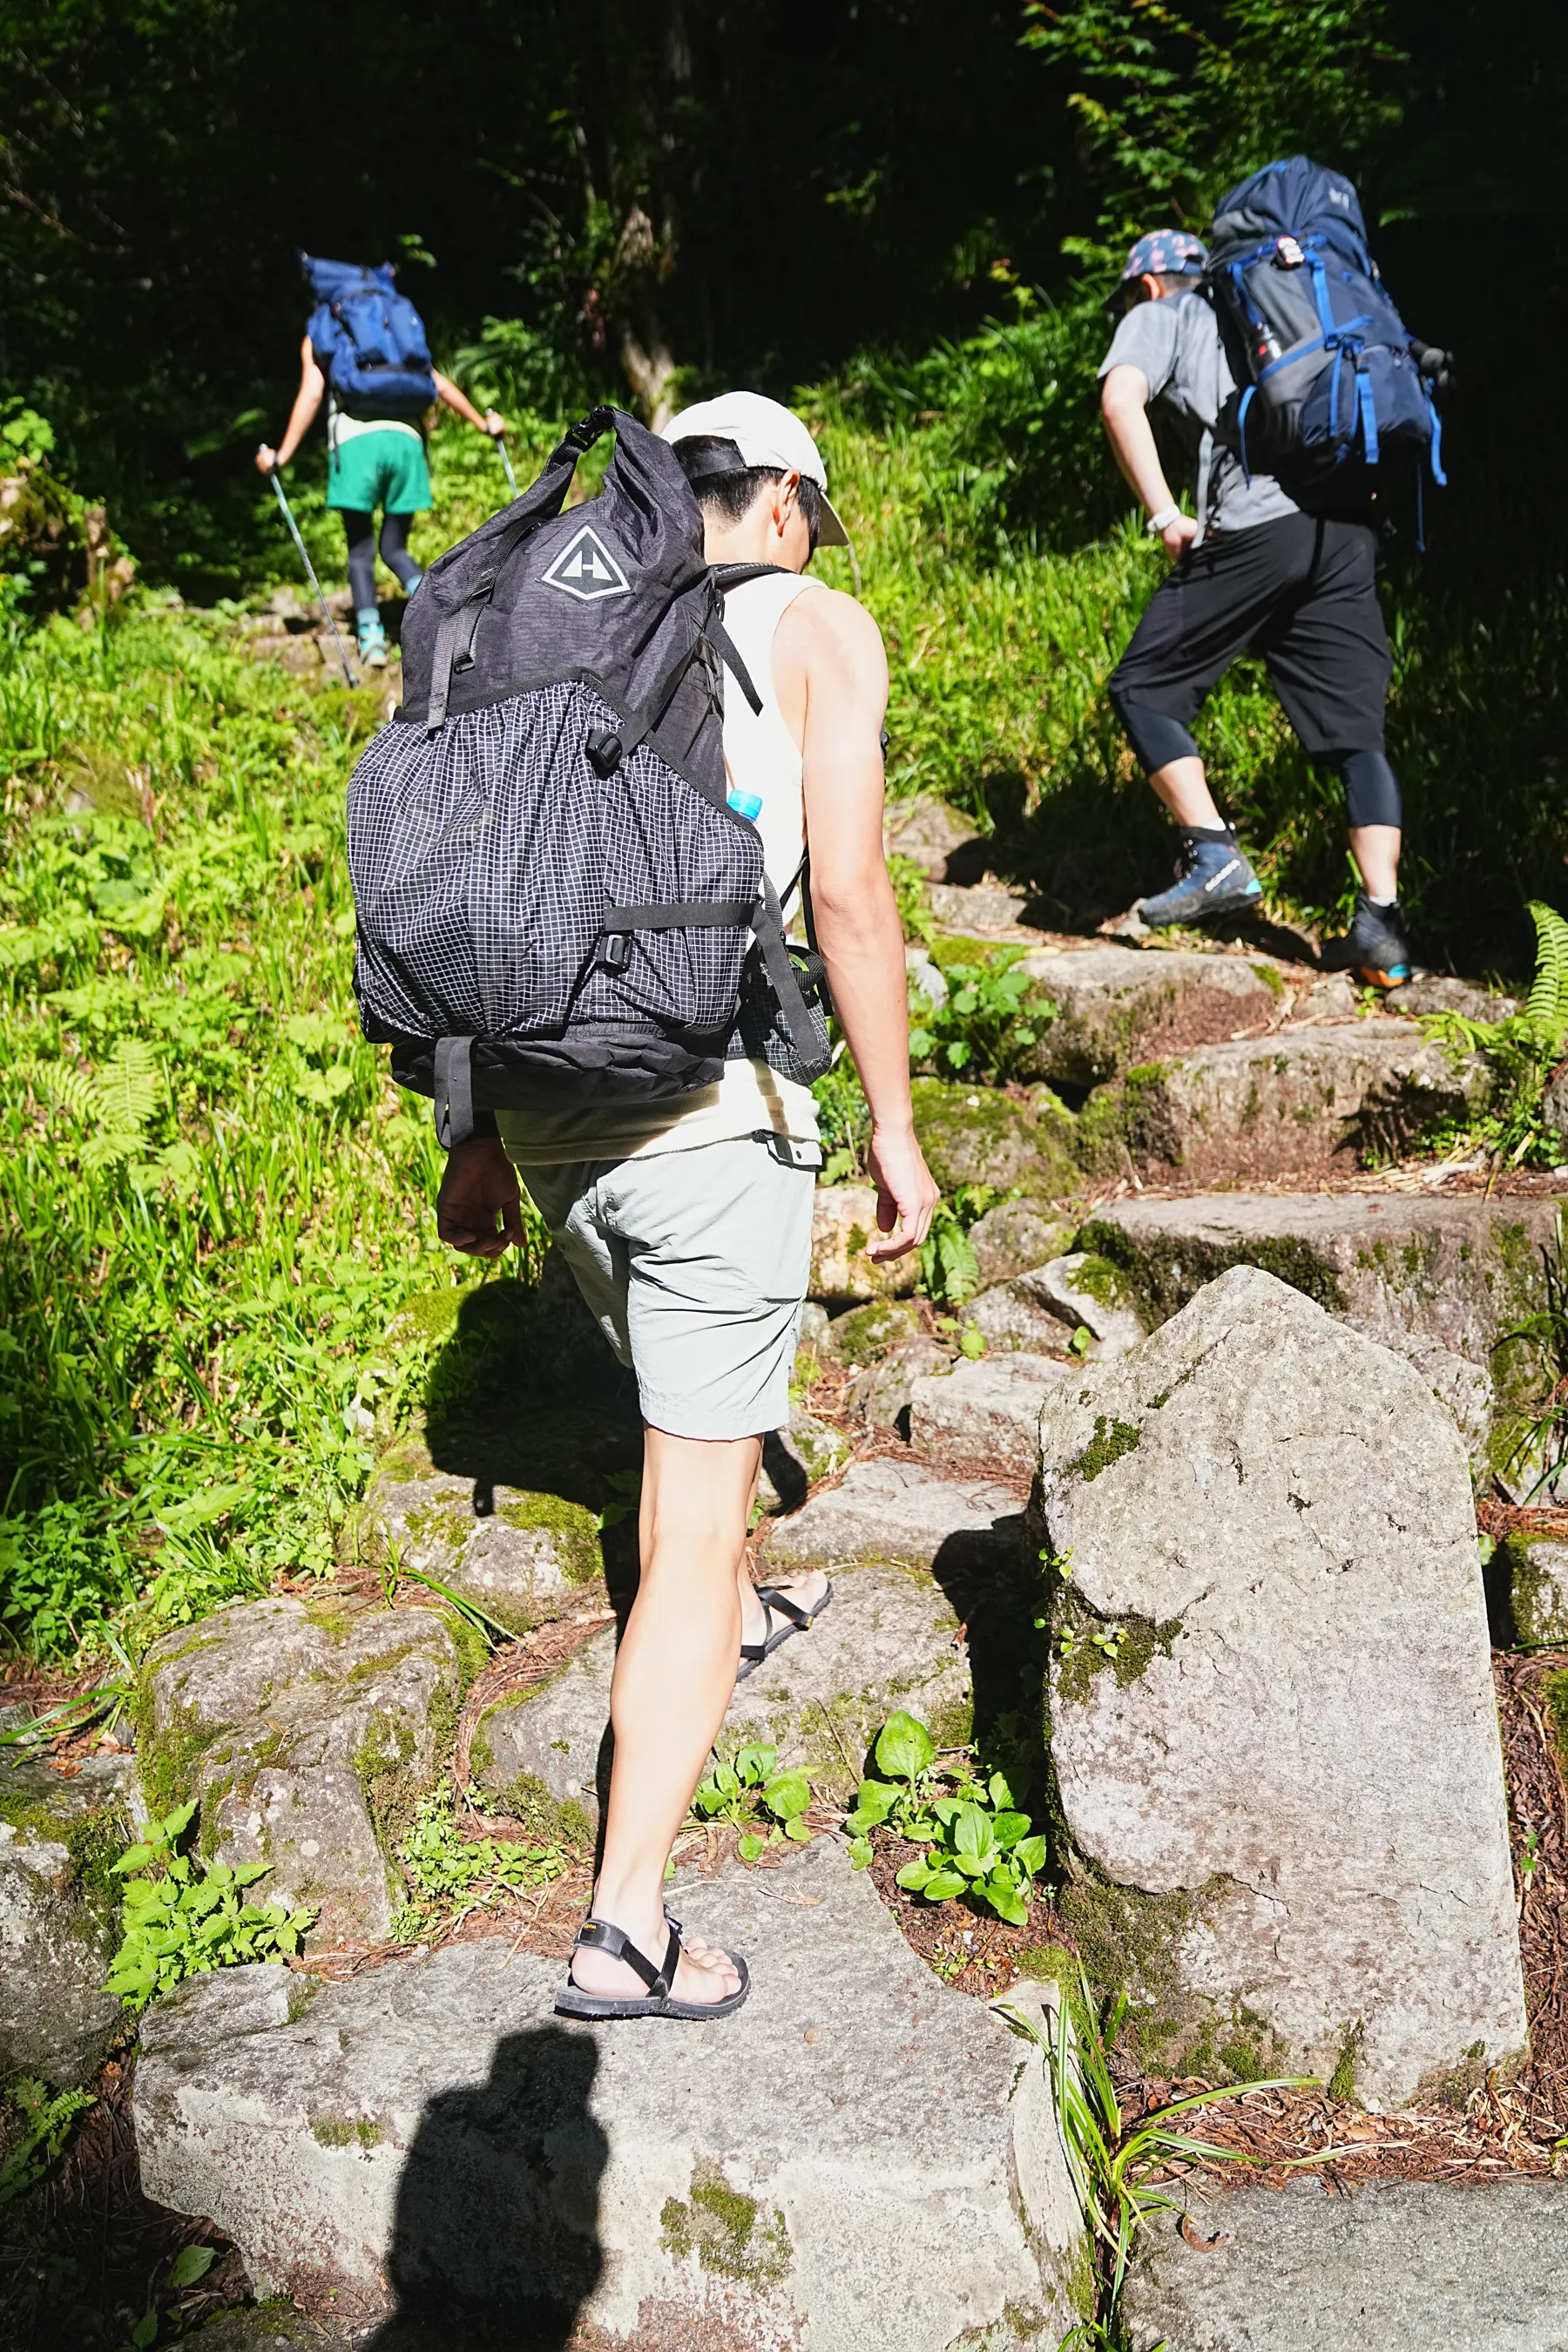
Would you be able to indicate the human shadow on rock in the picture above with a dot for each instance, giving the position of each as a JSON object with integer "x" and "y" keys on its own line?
{"x": 495, "y": 2242}
{"x": 997, "y": 1593}
{"x": 526, "y": 1393}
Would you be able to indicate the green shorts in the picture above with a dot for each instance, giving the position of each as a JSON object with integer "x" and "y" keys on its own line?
{"x": 379, "y": 469}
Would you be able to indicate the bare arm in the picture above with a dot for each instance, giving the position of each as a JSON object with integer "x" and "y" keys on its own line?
{"x": 458, "y": 401}
{"x": 1125, "y": 405}
{"x": 301, "y": 416}
{"x": 828, "y": 662}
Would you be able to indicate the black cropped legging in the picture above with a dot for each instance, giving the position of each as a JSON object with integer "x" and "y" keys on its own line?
{"x": 360, "y": 530}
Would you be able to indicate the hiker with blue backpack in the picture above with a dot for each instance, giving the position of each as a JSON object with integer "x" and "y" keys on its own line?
{"x": 365, "y": 349}
{"x": 1290, "y": 385}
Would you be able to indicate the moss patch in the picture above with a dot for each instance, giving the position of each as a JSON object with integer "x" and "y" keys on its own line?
{"x": 1087, "y": 1644}
{"x": 974, "y": 1135}
{"x": 727, "y": 2233}
{"x": 1128, "y": 1119}
{"x": 167, "y": 1760}
{"x": 867, "y": 1334}
{"x": 553, "y": 1821}
{"x": 571, "y": 1529}
{"x": 1163, "y": 1272}
{"x": 1110, "y": 1441}
{"x": 346, "y": 2131}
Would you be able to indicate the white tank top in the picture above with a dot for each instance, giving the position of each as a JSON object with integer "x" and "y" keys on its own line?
{"x": 763, "y": 765}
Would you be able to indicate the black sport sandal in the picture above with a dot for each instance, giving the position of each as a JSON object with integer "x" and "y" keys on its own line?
{"x": 800, "y": 1621}
{"x": 599, "y": 1936}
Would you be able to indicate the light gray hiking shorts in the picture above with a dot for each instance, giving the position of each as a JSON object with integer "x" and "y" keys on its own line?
{"x": 695, "y": 1265}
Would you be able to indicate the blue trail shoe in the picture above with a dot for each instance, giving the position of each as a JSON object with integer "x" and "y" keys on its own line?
{"x": 1213, "y": 879}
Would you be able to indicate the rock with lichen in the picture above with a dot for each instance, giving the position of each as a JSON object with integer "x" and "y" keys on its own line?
{"x": 305, "y": 1730}
{"x": 844, "y": 1230}
{"x": 977, "y": 1135}
{"x": 1273, "y": 1734}
{"x": 59, "y": 1839}
{"x": 524, "y": 1556}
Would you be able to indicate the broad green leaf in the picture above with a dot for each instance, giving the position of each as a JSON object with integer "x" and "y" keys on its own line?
{"x": 1005, "y": 1899}
{"x": 191, "y": 2264}
{"x": 1031, "y": 1853}
{"x": 859, "y": 1851}
{"x": 914, "y": 1875}
{"x": 1008, "y": 1828}
{"x": 904, "y": 1745}
{"x": 754, "y": 1763}
{"x": 796, "y": 1829}
{"x": 145, "y": 2331}
{"x": 750, "y": 1846}
{"x": 136, "y": 1859}
{"x": 787, "y": 1794}
{"x": 874, "y": 1801}
{"x": 943, "y": 1885}
{"x": 971, "y": 1832}
{"x": 999, "y": 1789}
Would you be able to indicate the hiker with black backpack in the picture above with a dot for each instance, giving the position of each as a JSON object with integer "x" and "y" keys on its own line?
{"x": 575, "y": 852}
{"x": 365, "y": 348}
{"x": 1289, "y": 383}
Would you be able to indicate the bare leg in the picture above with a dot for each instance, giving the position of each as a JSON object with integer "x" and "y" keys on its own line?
{"x": 1184, "y": 787}
{"x": 674, "y": 1675}
{"x": 1375, "y": 848}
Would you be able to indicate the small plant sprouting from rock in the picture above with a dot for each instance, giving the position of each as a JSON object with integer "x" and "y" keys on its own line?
{"x": 1524, "y": 1051}
{"x": 180, "y": 1921}
{"x": 979, "y": 1844}
{"x": 733, "y": 1792}
{"x": 983, "y": 1028}
{"x": 1113, "y": 2167}
{"x": 450, "y": 1875}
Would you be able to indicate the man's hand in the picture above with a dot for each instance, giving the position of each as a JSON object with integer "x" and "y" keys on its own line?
{"x": 906, "y": 1195}
{"x": 480, "y": 1184}
{"x": 495, "y": 422}
{"x": 1178, "y": 536}
{"x": 266, "y": 459}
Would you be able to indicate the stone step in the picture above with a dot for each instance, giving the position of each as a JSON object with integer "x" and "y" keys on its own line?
{"x": 860, "y": 2159}
{"x": 1393, "y": 2266}
{"x": 990, "y": 1407}
{"x": 59, "y": 1840}
{"x": 887, "y": 1639}
{"x": 1461, "y": 1272}
{"x": 1302, "y": 1102}
{"x": 901, "y": 1514}
{"x": 1121, "y": 1006}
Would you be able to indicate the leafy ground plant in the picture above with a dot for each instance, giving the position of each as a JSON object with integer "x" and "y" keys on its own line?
{"x": 978, "y": 1843}
{"x": 984, "y": 1027}
{"x": 42, "y": 2125}
{"x": 1113, "y": 2170}
{"x": 749, "y": 1787}
{"x": 179, "y": 1921}
{"x": 451, "y": 1876}
{"x": 1524, "y": 1051}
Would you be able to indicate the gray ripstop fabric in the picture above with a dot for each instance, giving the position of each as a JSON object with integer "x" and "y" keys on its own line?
{"x": 555, "y": 902}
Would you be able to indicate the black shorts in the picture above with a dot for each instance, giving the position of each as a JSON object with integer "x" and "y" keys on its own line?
{"x": 1299, "y": 591}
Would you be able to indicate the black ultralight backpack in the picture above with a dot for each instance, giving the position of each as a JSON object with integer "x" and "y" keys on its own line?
{"x": 556, "y": 903}
{"x": 1327, "y": 368}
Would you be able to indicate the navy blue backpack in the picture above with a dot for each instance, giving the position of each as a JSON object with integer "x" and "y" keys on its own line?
{"x": 369, "y": 340}
{"x": 1327, "y": 370}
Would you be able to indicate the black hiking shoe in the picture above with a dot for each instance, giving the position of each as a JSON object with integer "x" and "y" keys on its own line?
{"x": 1376, "y": 947}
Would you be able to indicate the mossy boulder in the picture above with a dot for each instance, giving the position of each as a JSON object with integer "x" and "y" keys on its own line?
{"x": 868, "y": 1333}
{"x": 306, "y": 1732}
{"x": 1536, "y": 1573}
{"x": 525, "y": 1556}
{"x": 60, "y": 1907}
{"x": 977, "y": 1135}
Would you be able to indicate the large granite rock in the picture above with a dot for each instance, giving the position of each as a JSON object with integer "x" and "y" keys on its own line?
{"x": 58, "y": 1916}
{"x": 1272, "y": 1725}
{"x": 296, "y": 1723}
{"x": 974, "y": 1135}
{"x": 889, "y": 1639}
{"x": 1118, "y": 1006}
{"x": 1396, "y": 2266}
{"x": 525, "y": 1557}
{"x": 1463, "y": 1273}
{"x": 860, "y": 2160}
{"x": 1022, "y": 1314}
{"x": 884, "y": 1393}
{"x": 988, "y": 1409}
{"x": 1296, "y": 1104}
{"x": 842, "y": 1228}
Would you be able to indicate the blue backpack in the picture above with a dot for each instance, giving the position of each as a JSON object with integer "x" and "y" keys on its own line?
{"x": 369, "y": 340}
{"x": 1326, "y": 367}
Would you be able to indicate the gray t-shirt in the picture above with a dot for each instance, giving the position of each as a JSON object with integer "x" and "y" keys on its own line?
{"x": 1176, "y": 344}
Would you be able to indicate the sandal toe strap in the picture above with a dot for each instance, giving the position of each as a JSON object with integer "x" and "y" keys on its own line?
{"x": 772, "y": 1598}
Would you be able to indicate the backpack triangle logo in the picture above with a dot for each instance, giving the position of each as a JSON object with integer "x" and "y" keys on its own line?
{"x": 585, "y": 569}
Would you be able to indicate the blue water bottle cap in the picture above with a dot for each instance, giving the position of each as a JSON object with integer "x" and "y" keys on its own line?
{"x": 747, "y": 805}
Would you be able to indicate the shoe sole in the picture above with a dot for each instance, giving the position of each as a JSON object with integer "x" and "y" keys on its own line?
{"x": 1210, "y": 911}
{"x": 1394, "y": 975}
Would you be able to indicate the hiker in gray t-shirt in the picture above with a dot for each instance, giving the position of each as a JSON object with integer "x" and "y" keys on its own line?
{"x": 1253, "y": 569}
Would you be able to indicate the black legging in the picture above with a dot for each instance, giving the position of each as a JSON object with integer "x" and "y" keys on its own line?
{"x": 360, "y": 530}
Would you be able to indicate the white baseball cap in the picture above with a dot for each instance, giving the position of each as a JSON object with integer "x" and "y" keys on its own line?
{"x": 765, "y": 433}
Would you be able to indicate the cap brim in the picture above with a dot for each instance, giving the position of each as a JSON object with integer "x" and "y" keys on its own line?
{"x": 831, "y": 532}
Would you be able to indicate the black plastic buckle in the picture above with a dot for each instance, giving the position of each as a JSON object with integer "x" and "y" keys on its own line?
{"x": 617, "y": 951}
{"x": 604, "y": 749}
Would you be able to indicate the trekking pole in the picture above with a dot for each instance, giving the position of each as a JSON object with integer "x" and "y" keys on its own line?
{"x": 499, "y": 440}
{"x": 311, "y": 569}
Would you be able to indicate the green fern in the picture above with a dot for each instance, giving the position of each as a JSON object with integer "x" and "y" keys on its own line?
{"x": 1546, "y": 1013}
{"x": 117, "y": 1103}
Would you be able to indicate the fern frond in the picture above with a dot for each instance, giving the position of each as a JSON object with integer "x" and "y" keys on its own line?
{"x": 1547, "y": 1010}
{"x": 128, "y": 1088}
{"x": 68, "y": 1089}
